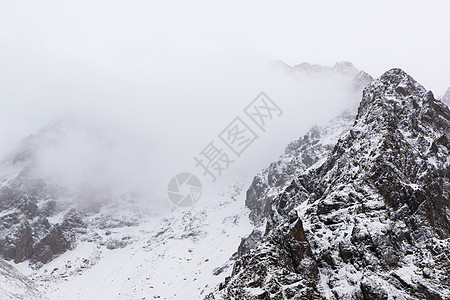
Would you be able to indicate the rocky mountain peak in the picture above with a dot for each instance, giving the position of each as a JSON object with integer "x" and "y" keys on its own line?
{"x": 394, "y": 85}
{"x": 367, "y": 221}
{"x": 398, "y": 101}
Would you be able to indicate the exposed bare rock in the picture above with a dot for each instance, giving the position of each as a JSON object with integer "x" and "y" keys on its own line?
{"x": 54, "y": 243}
{"x": 24, "y": 243}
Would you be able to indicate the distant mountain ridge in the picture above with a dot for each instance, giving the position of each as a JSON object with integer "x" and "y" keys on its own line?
{"x": 360, "y": 78}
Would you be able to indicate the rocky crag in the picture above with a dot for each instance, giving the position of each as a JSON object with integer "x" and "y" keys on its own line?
{"x": 365, "y": 218}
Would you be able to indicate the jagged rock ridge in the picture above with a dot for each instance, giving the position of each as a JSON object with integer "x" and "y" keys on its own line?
{"x": 369, "y": 222}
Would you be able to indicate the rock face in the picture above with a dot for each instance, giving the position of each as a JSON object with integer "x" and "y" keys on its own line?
{"x": 367, "y": 218}
{"x": 54, "y": 243}
{"x": 24, "y": 242}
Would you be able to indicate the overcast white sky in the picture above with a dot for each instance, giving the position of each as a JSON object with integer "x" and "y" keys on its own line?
{"x": 150, "y": 62}
{"x": 127, "y": 38}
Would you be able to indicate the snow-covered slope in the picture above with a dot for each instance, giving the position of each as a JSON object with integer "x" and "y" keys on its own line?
{"x": 182, "y": 256}
{"x": 14, "y": 285}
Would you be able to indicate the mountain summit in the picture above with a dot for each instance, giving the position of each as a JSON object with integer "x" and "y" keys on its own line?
{"x": 368, "y": 221}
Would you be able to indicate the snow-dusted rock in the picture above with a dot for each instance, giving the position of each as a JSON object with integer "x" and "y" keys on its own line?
{"x": 370, "y": 221}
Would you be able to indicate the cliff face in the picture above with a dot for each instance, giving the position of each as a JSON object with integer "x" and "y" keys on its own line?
{"x": 365, "y": 219}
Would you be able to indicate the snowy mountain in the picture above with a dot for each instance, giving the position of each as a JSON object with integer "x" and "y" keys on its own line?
{"x": 49, "y": 204}
{"x": 367, "y": 219}
{"x": 354, "y": 209}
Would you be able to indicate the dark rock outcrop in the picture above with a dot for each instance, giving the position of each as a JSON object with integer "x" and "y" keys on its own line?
{"x": 54, "y": 243}
{"x": 24, "y": 242}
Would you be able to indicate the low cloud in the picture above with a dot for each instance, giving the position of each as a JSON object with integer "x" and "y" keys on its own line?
{"x": 139, "y": 89}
